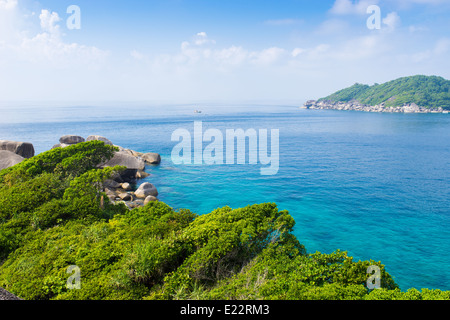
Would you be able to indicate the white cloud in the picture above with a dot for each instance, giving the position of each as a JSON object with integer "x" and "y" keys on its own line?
{"x": 297, "y": 51}
{"x": 196, "y": 53}
{"x": 267, "y": 56}
{"x": 8, "y": 21}
{"x": 353, "y": 50}
{"x": 8, "y": 4}
{"x": 20, "y": 44}
{"x": 442, "y": 46}
{"x": 49, "y": 22}
{"x": 392, "y": 21}
{"x": 37, "y": 62}
{"x": 414, "y": 29}
{"x": 439, "y": 50}
{"x": 319, "y": 51}
{"x": 333, "y": 26}
{"x": 232, "y": 56}
{"x": 137, "y": 55}
{"x": 46, "y": 47}
{"x": 196, "y": 50}
{"x": 202, "y": 38}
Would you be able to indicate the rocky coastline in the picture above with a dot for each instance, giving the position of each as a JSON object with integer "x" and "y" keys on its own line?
{"x": 124, "y": 187}
{"x": 356, "y": 106}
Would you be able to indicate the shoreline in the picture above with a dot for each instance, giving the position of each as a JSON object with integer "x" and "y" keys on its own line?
{"x": 356, "y": 106}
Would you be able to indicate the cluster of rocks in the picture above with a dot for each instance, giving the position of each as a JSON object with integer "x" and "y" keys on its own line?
{"x": 123, "y": 192}
{"x": 356, "y": 106}
{"x": 119, "y": 188}
{"x": 14, "y": 152}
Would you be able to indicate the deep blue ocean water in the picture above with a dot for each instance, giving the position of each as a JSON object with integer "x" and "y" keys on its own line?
{"x": 375, "y": 185}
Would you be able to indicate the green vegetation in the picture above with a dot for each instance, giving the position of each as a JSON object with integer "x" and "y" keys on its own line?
{"x": 425, "y": 91}
{"x": 53, "y": 215}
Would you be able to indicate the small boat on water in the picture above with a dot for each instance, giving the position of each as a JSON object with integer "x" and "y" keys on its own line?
{"x": 197, "y": 111}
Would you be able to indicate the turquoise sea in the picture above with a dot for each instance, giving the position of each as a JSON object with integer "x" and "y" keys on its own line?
{"x": 375, "y": 185}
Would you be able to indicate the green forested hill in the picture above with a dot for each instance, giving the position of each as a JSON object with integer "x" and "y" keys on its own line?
{"x": 425, "y": 91}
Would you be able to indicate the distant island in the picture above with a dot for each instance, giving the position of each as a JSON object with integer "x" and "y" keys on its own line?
{"x": 415, "y": 94}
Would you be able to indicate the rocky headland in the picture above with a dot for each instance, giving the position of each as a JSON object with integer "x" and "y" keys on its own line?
{"x": 123, "y": 187}
{"x": 357, "y": 106}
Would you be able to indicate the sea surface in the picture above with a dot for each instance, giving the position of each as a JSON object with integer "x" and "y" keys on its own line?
{"x": 375, "y": 185}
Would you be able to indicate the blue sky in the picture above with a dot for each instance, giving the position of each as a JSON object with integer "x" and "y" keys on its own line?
{"x": 199, "y": 50}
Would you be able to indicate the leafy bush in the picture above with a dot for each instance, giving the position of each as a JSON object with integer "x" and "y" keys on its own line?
{"x": 29, "y": 195}
{"x": 54, "y": 187}
{"x": 280, "y": 272}
{"x": 223, "y": 242}
{"x": 70, "y": 161}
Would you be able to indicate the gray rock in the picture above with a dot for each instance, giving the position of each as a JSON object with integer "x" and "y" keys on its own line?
{"x": 126, "y": 186}
{"x": 126, "y": 160}
{"x": 5, "y": 295}
{"x": 111, "y": 184}
{"x": 125, "y": 196}
{"x": 9, "y": 159}
{"x": 133, "y": 205}
{"x": 152, "y": 158}
{"x": 145, "y": 190}
{"x": 110, "y": 192}
{"x": 134, "y": 153}
{"x": 23, "y": 149}
{"x": 99, "y": 138}
{"x": 60, "y": 145}
{"x": 149, "y": 199}
{"x": 142, "y": 174}
{"x": 128, "y": 175}
{"x": 71, "y": 139}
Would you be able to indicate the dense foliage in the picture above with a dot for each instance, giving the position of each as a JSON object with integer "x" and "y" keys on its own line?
{"x": 425, "y": 91}
{"x": 53, "y": 215}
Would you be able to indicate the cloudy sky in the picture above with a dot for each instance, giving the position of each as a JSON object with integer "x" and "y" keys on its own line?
{"x": 191, "y": 51}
